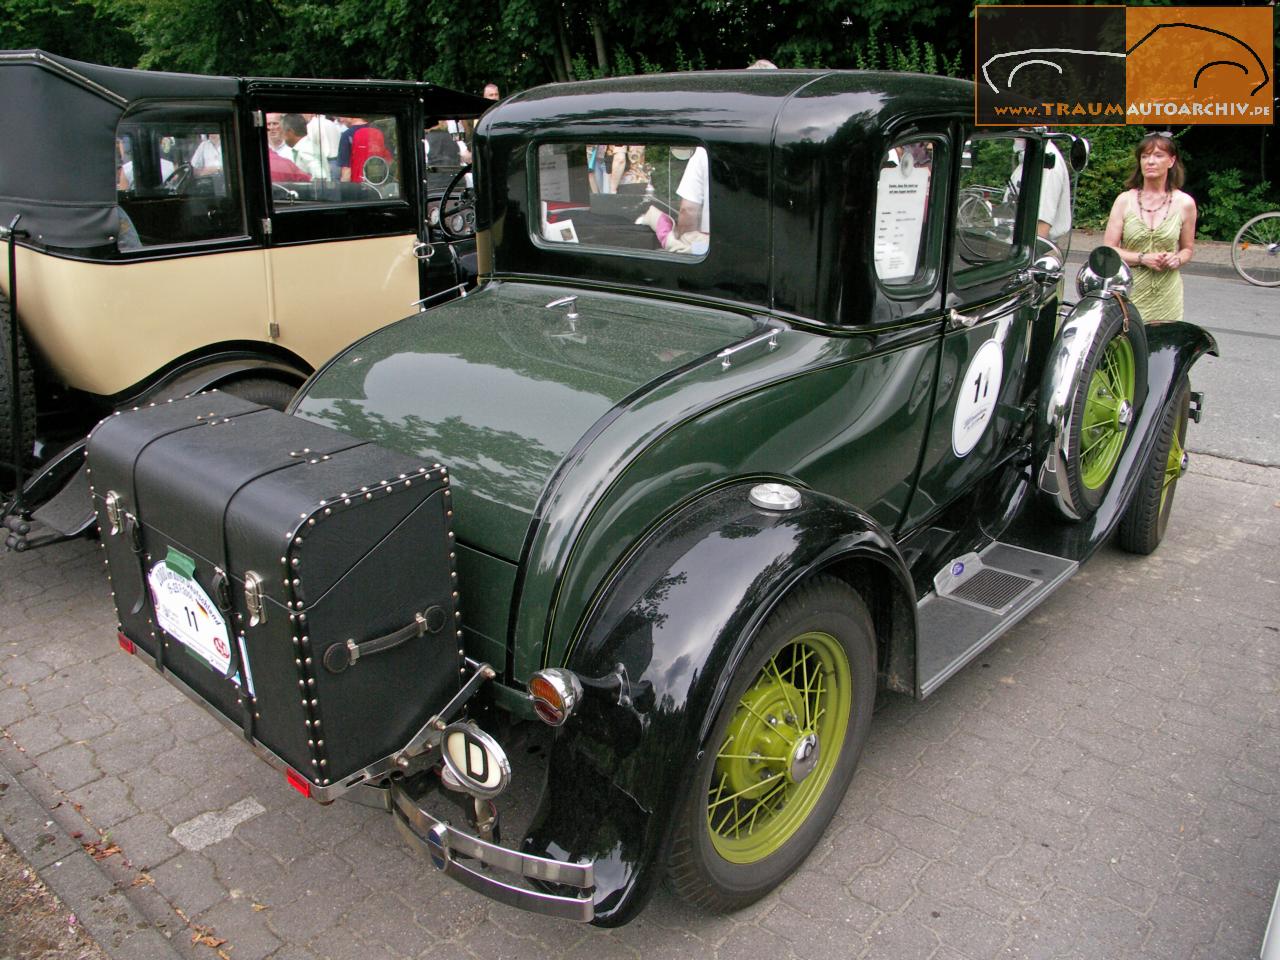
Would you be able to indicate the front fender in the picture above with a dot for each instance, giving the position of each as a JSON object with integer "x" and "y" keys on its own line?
{"x": 678, "y": 617}
{"x": 1172, "y": 349}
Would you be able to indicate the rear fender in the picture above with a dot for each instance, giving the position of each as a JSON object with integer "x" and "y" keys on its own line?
{"x": 210, "y": 372}
{"x": 678, "y": 617}
{"x": 49, "y": 478}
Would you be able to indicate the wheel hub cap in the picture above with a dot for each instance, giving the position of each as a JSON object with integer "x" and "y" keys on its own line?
{"x": 1183, "y": 463}
{"x": 1125, "y": 414}
{"x": 804, "y": 757}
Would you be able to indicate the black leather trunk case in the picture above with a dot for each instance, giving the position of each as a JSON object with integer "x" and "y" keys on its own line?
{"x": 351, "y": 542}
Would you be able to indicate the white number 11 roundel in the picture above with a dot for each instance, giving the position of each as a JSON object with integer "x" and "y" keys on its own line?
{"x": 976, "y": 403}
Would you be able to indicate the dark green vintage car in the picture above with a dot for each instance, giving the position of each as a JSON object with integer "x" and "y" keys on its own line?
{"x": 767, "y": 401}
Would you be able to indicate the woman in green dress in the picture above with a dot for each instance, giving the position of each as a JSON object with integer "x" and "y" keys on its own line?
{"x": 1153, "y": 225}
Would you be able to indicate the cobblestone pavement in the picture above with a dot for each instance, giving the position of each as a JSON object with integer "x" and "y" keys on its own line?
{"x": 1103, "y": 783}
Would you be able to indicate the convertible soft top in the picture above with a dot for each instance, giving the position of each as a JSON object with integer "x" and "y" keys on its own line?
{"x": 59, "y": 118}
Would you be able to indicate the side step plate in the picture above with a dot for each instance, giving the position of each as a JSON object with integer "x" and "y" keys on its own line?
{"x": 956, "y": 628}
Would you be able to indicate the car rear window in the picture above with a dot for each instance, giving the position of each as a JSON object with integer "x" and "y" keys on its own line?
{"x": 651, "y": 199}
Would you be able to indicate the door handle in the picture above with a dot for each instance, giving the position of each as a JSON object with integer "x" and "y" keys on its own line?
{"x": 966, "y": 320}
{"x": 423, "y": 250}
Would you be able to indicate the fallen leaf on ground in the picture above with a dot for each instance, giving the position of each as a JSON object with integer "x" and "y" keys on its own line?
{"x": 259, "y": 907}
{"x": 143, "y": 879}
{"x": 101, "y": 849}
{"x": 205, "y": 935}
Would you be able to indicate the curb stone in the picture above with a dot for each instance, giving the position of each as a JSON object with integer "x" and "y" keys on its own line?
{"x": 99, "y": 904}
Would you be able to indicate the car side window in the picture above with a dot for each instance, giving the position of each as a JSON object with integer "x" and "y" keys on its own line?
{"x": 177, "y": 180}
{"x": 905, "y": 202}
{"x": 987, "y": 202}
{"x": 330, "y": 158}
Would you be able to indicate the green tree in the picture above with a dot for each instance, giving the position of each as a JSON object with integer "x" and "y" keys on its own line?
{"x": 82, "y": 29}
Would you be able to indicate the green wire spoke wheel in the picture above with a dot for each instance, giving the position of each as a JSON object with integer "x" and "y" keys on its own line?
{"x": 1145, "y": 520}
{"x": 780, "y": 750}
{"x": 1108, "y": 411}
{"x": 785, "y": 743}
{"x": 1109, "y": 391}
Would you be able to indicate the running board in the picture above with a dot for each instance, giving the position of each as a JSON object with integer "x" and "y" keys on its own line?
{"x": 976, "y": 598}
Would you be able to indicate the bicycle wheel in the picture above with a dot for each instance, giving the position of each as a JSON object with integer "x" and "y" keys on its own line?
{"x": 1256, "y": 251}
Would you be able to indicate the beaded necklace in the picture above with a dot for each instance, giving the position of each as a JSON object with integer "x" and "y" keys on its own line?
{"x": 1163, "y": 205}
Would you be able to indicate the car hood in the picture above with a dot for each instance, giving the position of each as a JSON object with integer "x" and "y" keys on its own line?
{"x": 500, "y": 387}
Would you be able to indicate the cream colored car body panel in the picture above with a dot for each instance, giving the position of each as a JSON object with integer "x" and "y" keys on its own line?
{"x": 101, "y": 337}
{"x": 329, "y": 294}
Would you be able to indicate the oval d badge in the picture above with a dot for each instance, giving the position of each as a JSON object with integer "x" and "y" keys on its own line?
{"x": 475, "y": 760}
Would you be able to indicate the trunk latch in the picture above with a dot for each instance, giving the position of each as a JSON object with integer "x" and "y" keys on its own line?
{"x": 253, "y": 599}
{"x": 114, "y": 512}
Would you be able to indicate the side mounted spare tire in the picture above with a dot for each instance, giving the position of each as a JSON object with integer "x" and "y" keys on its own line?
{"x": 20, "y": 367}
{"x": 1100, "y": 362}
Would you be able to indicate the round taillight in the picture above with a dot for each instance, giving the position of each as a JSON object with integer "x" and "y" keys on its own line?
{"x": 555, "y": 694}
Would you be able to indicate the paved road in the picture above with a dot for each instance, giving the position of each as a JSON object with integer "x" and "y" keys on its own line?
{"x": 1104, "y": 783}
{"x": 1242, "y": 386}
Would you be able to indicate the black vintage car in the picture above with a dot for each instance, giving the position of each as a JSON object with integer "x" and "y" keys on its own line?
{"x": 767, "y": 401}
{"x": 169, "y": 233}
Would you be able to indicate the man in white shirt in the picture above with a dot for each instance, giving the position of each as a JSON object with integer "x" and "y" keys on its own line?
{"x": 1053, "y": 218}
{"x": 299, "y": 147}
{"x": 275, "y": 134}
{"x": 207, "y": 160}
{"x": 126, "y": 173}
{"x": 326, "y": 134}
{"x": 695, "y": 206}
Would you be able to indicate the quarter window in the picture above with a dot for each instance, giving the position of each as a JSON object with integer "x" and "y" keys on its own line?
{"x": 904, "y": 197}
{"x": 176, "y": 176}
{"x": 653, "y": 198}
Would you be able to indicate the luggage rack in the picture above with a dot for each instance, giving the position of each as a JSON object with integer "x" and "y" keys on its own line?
{"x": 423, "y": 742}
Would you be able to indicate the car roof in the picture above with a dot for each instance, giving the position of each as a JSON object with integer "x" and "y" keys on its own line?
{"x": 792, "y": 153}
{"x": 746, "y": 102}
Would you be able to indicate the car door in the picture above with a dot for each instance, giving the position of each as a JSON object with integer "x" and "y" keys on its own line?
{"x": 338, "y": 178}
{"x": 991, "y": 306}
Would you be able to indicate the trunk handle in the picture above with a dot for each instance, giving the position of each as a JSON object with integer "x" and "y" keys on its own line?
{"x": 339, "y": 656}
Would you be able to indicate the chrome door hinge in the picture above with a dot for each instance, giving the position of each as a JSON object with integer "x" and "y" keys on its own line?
{"x": 266, "y": 226}
{"x": 258, "y": 119}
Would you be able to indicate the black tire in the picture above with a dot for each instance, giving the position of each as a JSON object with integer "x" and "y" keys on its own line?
{"x": 699, "y": 868}
{"x": 25, "y": 430}
{"x": 1089, "y": 472}
{"x": 1144, "y": 521}
{"x": 264, "y": 390}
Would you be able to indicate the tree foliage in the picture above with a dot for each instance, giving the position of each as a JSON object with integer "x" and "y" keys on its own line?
{"x": 522, "y": 43}
{"x": 516, "y": 43}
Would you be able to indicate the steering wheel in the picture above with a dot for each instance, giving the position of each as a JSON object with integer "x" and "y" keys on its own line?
{"x": 179, "y": 181}
{"x": 460, "y": 222}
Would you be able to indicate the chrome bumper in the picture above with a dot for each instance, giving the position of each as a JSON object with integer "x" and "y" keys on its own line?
{"x": 447, "y": 847}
